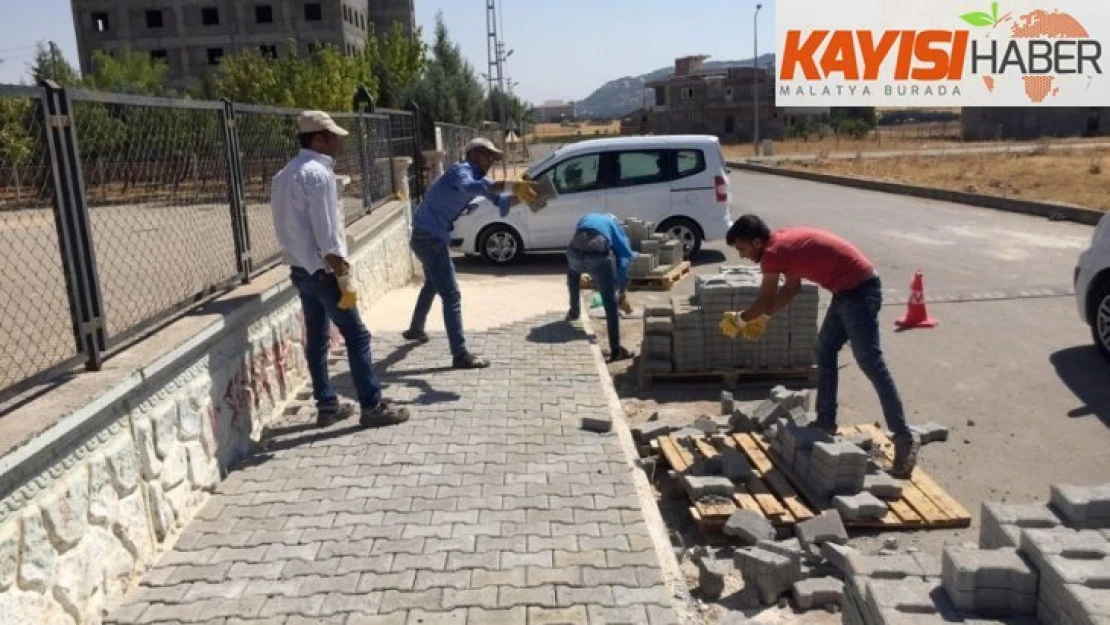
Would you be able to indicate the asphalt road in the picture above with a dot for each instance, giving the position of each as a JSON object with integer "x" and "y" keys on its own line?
{"x": 1008, "y": 356}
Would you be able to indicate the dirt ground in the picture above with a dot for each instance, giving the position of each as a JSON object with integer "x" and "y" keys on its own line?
{"x": 936, "y": 137}
{"x": 1079, "y": 177}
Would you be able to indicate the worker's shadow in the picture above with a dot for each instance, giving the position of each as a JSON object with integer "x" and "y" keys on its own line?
{"x": 557, "y": 333}
{"x": 1087, "y": 374}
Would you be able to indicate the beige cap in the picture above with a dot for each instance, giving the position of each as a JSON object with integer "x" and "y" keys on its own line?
{"x": 317, "y": 121}
{"x": 482, "y": 143}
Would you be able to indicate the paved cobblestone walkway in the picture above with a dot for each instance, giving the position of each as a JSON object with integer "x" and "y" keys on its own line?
{"x": 489, "y": 506}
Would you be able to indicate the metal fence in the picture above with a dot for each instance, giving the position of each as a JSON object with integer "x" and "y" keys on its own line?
{"x": 120, "y": 212}
{"x": 453, "y": 139}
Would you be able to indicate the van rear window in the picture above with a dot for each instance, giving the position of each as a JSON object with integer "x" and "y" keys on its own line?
{"x": 689, "y": 163}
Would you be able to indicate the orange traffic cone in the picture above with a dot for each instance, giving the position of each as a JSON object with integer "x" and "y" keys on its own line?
{"x": 916, "y": 315}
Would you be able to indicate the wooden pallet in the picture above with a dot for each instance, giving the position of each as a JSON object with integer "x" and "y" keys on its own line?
{"x": 730, "y": 378}
{"x": 664, "y": 281}
{"x": 767, "y": 492}
{"x": 777, "y": 494}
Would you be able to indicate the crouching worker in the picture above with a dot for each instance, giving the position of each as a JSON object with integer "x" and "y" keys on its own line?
{"x": 600, "y": 248}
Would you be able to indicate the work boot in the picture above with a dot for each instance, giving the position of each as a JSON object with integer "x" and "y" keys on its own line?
{"x": 327, "y": 415}
{"x": 415, "y": 335}
{"x": 382, "y": 415}
{"x": 905, "y": 456}
{"x": 466, "y": 360}
{"x": 827, "y": 429}
{"x": 621, "y": 354}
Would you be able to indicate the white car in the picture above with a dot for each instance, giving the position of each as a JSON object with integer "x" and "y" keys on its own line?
{"x": 1092, "y": 286}
{"x": 679, "y": 182}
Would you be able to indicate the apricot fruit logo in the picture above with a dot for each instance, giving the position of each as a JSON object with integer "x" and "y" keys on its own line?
{"x": 1044, "y": 47}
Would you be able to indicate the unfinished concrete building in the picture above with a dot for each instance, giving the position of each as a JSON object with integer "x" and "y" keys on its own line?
{"x": 384, "y": 13}
{"x": 191, "y": 36}
{"x": 716, "y": 102}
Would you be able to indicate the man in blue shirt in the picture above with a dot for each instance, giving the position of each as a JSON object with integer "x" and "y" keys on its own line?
{"x": 431, "y": 240}
{"x": 601, "y": 248}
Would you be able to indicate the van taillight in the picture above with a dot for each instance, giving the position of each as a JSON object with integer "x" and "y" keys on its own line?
{"x": 722, "y": 188}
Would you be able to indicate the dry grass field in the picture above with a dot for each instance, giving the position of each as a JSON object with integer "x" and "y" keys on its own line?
{"x": 1078, "y": 177}
{"x": 583, "y": 129}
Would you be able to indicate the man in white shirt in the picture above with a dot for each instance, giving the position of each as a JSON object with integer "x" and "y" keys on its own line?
{"x": 309, "y": 225}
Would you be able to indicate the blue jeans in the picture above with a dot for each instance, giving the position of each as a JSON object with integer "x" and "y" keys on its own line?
{"x": 439, "y": 279}
{"x": 604, "y": 274}
{"x": 320, "y": 300}
{"x": 854, "y": 316}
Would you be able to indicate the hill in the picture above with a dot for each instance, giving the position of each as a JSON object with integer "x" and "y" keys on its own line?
{"x": 622, "y": 96}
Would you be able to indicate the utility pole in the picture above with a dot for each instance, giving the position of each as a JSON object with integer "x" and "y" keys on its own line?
{"x": 755, "y": 76}
{"x": 54, "y": 60}
{"x": 495, "y": 51}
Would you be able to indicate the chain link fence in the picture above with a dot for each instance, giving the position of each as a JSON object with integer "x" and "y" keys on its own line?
{"x": 453, "y": 139}
{"x": 36, "y": 334}
{"x": 120, "y": 212}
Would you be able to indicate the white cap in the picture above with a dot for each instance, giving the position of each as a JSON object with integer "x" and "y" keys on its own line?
{"x": 317, "y": 121}
{"x": 482, "y": 143}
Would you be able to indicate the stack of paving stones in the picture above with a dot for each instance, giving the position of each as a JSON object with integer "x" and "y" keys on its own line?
{"x": 697, "y": 344}
{"x": 1046, "y": 563}
{"x": 490, "y": 505}
{"x": 1035, "y": 563}
{"x": 656, "y": 252}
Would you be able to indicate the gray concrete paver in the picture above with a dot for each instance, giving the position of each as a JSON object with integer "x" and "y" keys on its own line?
{"x": 475, "y": 511}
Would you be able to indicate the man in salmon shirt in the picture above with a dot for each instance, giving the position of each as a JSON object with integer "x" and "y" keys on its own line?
{"x": 853, "y": 315}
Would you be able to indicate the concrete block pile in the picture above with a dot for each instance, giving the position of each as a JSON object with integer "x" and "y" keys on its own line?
{"x": 1035, "y": 563}
{"x": 656, "y": 252}
{"x": 697, "y": 344}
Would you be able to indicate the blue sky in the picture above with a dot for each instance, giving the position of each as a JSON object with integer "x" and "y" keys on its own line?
{"x": 562, "y": 50}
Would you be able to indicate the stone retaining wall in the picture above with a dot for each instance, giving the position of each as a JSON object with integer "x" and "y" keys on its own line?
{"x": 87, "y": 515}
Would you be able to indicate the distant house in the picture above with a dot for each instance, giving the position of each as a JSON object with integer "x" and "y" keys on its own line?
{"x": 554, "y": 111}
{"x": 719, "y": 102}
{"x": 1028, "y": 122}
{"x": 637, "y": 122}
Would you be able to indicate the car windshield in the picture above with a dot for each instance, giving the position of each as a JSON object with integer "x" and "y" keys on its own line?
{"x": 542, "y": 163}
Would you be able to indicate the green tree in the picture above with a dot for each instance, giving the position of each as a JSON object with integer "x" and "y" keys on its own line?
{"x": 16, "y": 140}
{"x": 399, "y": 62}
{"x": 326, "y": 79}
{"x": 130, "y": 72}
{"x": 49, "y": 64}
{"x": 449, "y": 91}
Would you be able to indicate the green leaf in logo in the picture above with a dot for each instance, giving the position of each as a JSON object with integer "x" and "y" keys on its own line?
{"x": 978, "y": 18}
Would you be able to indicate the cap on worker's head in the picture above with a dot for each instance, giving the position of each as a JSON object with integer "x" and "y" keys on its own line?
{"x": 482, "y": 143}
{"x": 318, "y": 121}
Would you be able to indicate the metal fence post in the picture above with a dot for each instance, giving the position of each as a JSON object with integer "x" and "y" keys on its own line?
{"x": 363, "y": 105}
{"x": 417, "y": 153}
{"x": 235, "y": 195}
{"x": 71, "y": 216}
{"x": 391, "y": 154}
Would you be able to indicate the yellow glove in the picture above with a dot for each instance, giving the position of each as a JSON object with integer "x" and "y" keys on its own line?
{"x": 755, "y": 328}
{"x": 348, "y": 297}
{"x": 524, "y": 190}
{"x": 624, "y": 304}
{"x": 731, "y": 325}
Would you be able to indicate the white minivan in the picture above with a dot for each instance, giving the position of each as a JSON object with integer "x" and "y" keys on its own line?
{"x": 679, "y": 182}
{"x": 1092, "y": 286}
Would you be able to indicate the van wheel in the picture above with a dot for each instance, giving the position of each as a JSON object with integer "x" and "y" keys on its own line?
{"x": 1100, "y": 318}
{"x": 500, "y": 245}
{"x": 687, "y": 232}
